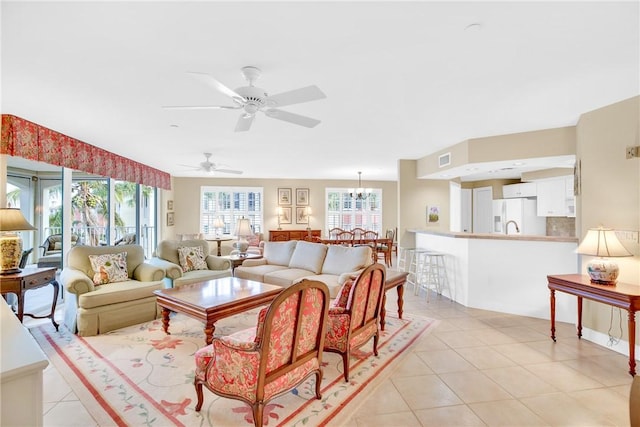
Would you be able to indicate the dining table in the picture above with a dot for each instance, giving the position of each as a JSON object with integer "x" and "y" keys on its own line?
{"x": 374, "y": 243}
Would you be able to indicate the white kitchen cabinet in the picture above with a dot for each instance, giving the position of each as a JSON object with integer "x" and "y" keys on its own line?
{"x": 555, "y": 197}
{"x": 523, "y": 189}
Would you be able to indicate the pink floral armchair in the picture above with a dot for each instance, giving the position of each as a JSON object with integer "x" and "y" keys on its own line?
{"x": 354, "y": 316}
{"x": 257, "y": 365}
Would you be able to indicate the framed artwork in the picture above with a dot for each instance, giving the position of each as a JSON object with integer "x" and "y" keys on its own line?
{"x": 285, "y": 216}
{"x": 302, "y": 196}
{"x": 169, "y": 205}
{"x": 433, "y": 214}
{"x": 284, "y": 196}
{"x": 170, "y": 219}
{"x": 302, "y": 215}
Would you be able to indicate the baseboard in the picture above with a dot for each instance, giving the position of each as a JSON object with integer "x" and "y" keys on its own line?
{"x": 620, "y": 346}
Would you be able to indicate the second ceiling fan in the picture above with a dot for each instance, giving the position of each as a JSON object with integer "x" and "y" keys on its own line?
{"x": 253, "y": 99}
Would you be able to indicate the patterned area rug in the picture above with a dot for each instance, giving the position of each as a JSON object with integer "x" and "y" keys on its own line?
{"x": 140, "y": 376}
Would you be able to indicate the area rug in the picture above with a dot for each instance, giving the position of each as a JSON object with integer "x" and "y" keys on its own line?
{"x": 140, "y": 376}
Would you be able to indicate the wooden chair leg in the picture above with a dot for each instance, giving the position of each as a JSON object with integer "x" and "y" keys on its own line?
{"x": 318, "y": 380}
{"x": 199, "y": 394}
{"x": 258, "y": 409}
{"x": 345, "y": 365}
{"x": 375, "y": 344}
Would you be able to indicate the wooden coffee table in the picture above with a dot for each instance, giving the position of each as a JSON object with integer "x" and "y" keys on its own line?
{"x": 213, "y": 300}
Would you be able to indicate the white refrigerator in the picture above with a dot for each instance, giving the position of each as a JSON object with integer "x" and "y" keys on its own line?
{"x": 523, "y": 212}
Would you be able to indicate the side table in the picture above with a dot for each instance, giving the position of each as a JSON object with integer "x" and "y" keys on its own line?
{"x": 219, "y": 241}
{"x": 237, "y": 260}
{"x": 31, "y": 278}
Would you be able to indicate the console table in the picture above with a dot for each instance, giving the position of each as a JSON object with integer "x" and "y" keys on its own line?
{"x": 286, "y": 235}
{"x": 31, "y": 278}
{"x": 621, "y": 295}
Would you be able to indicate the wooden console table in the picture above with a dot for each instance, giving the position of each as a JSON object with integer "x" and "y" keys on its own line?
{"x": 286, "y": 235}
{"x": 621, "y": 295}
{"x": 394, "y": 279}
{"x": 30, "y": 278}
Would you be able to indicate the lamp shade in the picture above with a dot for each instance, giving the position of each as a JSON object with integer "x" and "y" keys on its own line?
{"x": 218, "y": 223}
{"x": 602, "y": 243}
{"x": 243, "y": 229}
{"x": 11, "y": 219}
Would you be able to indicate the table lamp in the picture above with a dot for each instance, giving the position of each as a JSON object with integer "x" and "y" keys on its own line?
{"x": 243, "y": 230}
{"x": 308, "y": 209}
{"x": 279, "y": 212}
{"x": 218, "y": 223}
{"x": 11, "y": 221}
{"x": 602, "y": 243}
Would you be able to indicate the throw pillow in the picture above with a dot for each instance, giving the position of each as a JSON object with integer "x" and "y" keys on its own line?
{"x": 342, "y": 299}
{"x": 109, "y": 268}
{"x": 192, "y": 258}
{"x": 57, "y": 246}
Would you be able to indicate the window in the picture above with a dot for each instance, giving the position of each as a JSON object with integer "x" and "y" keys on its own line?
{"x": 345, "y": 212}
{"x": 230, "y": 204}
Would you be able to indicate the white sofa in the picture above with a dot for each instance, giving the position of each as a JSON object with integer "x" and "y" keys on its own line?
{"x": 285, "y": 263}
{"x": 166, "y": 257}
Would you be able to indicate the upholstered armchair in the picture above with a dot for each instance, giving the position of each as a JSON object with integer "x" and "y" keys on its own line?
{"x": 188, "y": 261}
{"x": 282, "y": 351}
{"x": 354, "y": 317}
{"x": 108, "y": 287}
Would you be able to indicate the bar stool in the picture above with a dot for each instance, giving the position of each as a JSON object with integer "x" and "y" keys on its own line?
{"x": 408, "y": 261}
{"x": 431, "y": 273}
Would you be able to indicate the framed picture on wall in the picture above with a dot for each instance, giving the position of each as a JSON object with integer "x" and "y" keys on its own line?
{"x": 433, "y": 214}
{"x": 284, "y": 196}
{"x": 302, "y": 196}
{"x": 170, "y": 219}
{"x": 302, "y": 215}
{"x": 285, "y": 216}
{"x": 169, "y": 205}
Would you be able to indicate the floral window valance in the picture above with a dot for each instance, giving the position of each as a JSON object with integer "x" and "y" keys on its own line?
{"x": 22, "y": 138}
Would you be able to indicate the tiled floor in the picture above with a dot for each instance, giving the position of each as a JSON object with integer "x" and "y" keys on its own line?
{"x": 476, "y": 368}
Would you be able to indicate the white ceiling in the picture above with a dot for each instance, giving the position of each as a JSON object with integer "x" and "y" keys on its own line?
{"x": 402, "y": 79}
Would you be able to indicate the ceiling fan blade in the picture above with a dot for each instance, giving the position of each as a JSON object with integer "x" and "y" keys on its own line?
{"x": 292, "y": 118}
{"x": 297, "y": 96}
{"x": 244, "y": 122}
{"x": 190, "y": 167}
{"x": 201, "y": 107}
{"x": 228, "y": 171}
{"x": 214, "y": 83}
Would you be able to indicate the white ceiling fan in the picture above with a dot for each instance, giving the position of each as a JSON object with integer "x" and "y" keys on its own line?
{"x": 253, "y": 99}
{"x": 210, "y": 167}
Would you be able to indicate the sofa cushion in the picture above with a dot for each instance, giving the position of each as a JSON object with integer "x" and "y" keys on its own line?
{"x": 197, "y": 276}
{"x": 279, "y": 253}
{"x": 191, "y": 258}
{"x": 286, "y": 277}
{"x": 109, "y": 268}
{"x": 257, "y": 272}
{"x": 308, "y": 256}
{"x": 331, "y": 280}
{"x": 343, "y": 259}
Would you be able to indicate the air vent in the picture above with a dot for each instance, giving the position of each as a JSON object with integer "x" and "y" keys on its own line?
{"x": 444, "y": 160}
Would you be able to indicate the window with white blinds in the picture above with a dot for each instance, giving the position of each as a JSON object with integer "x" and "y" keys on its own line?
{"x": 343, "y": 211}
{"x": 230, "y": 204}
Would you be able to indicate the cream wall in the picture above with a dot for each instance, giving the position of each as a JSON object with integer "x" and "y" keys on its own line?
{"x": 186, "y": 197}
{"x": 610, "y": 193}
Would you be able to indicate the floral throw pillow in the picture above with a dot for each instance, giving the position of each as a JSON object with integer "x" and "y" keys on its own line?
{"x": 342, "y": 299}
{"x": 191, "y": 258}
{"x": 109, "y": 268}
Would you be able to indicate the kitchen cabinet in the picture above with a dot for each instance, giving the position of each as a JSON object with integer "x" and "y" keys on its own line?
{"x": 554, "y": 197}
{"x": 523, "y": 189}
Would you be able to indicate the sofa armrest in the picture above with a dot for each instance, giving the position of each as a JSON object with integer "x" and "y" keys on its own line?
{"x": 352, "y": 275}
{"x": 254, "y": 262}
{"x": 171, "y": 270}
{"x": 146, "y": 272}
{"x": 75, "y": 281}
{"x": 217, "y": 263}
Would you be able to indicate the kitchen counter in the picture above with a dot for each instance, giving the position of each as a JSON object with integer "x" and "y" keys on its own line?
{"x": 496, "y": 236}
{"x": 505, "y": 273}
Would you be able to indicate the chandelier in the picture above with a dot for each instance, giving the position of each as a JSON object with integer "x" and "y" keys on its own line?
{"x": 359, "y": 193}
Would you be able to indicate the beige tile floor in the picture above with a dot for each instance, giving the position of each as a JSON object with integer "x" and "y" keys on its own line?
{"x": 476, "y": 368}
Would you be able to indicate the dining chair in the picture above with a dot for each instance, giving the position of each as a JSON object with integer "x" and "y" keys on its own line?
{"x": 344, "y": 238}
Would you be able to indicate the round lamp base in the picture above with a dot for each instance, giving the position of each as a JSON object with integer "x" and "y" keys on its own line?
{"x": 603, "y": 271}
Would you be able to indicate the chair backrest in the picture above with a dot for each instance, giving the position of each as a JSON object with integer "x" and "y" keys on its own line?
{"x": 127, "y": 239}
{"x": 78, "y": 257}
{"x": 334, "y": 231}
{"x": 293, "y": 331}
{"x": 345, "y": 236}
{"x": 24, "y": 258}
{"x": 369, "y": 235}
{"x": 391, "y": 234}
{"x": 358, "y": 232}
{"x": 365, "y": 300}
{"x": 168, "y": 249}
